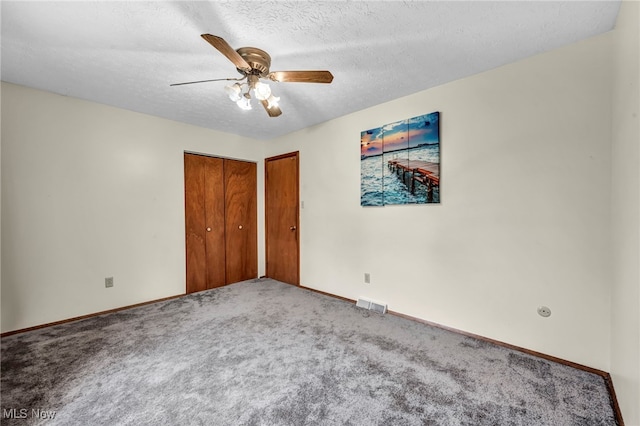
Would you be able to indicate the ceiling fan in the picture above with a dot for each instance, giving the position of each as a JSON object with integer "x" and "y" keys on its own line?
{"x": 253, "y": 64}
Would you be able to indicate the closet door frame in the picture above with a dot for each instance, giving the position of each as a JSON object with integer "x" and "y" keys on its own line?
{"x": 210, "y": 245}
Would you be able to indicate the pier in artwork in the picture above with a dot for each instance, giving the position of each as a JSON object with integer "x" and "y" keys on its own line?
{"x": 412, "y": 171}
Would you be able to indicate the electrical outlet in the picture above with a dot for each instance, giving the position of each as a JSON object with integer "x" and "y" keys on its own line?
{"x": 543, "y": 311}
{"x": 367, "y": 278}
{"x": 108, "y": 282}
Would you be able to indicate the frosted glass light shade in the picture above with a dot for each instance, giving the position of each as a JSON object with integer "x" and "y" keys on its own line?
{"x": 244, "y": 103}
{"x": 233, "y": 92}
{"x": 272, "y": 101}
{"x": 262, "y": 91}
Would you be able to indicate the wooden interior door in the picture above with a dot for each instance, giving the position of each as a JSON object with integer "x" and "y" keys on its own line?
{"x": 241, "y": 217}
{"x": 204, "y": 222}
{"x": 282, "y": 218}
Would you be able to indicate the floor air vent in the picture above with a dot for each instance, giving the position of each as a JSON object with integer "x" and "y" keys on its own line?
{"x": 379, "y": 308}
{"x": 362, "y": 303}
{"x": 372, "y": 306}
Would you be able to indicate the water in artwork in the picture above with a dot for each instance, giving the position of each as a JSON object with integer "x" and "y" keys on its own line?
{"x": 380, "y": 186}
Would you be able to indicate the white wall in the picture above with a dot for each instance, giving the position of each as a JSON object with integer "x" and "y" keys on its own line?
{"x": 524, "y": 219}
{"x": 625, "y": 343}
{"x": 90, "y": 191}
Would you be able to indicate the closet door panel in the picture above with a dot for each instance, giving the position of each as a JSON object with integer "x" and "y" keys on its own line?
{"x": 214, "y": 220}
{"x": 241, "y": 220}
{"x": 194, "y": 169}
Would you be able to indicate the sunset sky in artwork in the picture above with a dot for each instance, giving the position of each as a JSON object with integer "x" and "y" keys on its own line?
{"x": 371, "y": 142}
{"x": 400, "y": 135}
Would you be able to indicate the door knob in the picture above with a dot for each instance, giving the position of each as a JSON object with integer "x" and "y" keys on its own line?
{"x": 239, "y": 226}
{"x": 292, "y": 228}
{"x": 208, "y": 229}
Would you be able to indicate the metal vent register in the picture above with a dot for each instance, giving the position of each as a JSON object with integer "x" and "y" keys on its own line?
{"x": 372, "y": 306}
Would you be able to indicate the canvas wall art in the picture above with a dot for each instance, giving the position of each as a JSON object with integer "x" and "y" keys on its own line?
{"x": 400, "y": 162}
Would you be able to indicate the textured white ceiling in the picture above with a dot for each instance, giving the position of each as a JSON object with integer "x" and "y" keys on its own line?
{"x": 126, "y": 54}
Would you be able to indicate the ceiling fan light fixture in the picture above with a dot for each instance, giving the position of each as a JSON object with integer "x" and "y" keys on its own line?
{"x": 233, "y": 92}
{"x": 272, "y": 101}
{"x": 262, "y": 91}
{"x": 244, "y": 103}
{"x": 253, "y": 64}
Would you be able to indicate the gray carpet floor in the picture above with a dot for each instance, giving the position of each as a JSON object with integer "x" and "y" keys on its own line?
{"x": 265, "y": 353}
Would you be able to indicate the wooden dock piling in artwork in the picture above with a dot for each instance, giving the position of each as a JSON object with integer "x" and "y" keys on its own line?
{"x": 424, "y": 172}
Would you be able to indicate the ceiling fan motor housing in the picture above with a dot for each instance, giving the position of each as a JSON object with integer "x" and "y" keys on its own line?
{"x": 258, "y": 60}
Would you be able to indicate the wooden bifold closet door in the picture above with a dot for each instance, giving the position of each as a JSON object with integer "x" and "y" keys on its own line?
{"x": 220, "y": 221}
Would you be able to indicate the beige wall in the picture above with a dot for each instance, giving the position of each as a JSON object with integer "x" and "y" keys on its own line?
{"x": 524, "y": 219}
{"x": 88, "y": 192}
{"x": 625, "y": 201}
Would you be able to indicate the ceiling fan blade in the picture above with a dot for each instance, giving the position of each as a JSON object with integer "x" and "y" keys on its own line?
{"x": 273, "y": 111}
{"x": 302, "y": 76}
{"x": 228, "y": 51}
{"x": 206, "y": 81}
